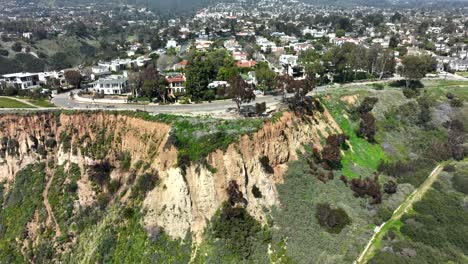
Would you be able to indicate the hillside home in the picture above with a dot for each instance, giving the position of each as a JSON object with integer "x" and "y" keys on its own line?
{"x": 114, "y": 84}
{"x": 177, "y": 83}
{"x": 22, "y": 80}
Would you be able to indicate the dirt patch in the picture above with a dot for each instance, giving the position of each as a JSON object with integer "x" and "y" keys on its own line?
{"x": 350, "y": 99}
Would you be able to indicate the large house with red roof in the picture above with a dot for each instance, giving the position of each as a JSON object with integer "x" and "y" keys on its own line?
{"x": 176, "y": 83}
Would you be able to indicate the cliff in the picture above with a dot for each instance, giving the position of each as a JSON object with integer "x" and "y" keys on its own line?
{"x": 185, "y": 198}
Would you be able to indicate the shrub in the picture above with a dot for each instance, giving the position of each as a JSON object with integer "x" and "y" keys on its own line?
{"x": 144, "y": 184}
{"x": 256, "y": 192}
{"x": 260, "y": 108}
{"x": 367, "y": 105}
{"x": 390, "y": 187}
{"x": 234, "y": 194}
{"x": 378, "y": 86}
{"x": 237, "y": 230}
{"x": 456, "y": 102}
{"x": 265, "y": 161}
{"x": 338, "y": 140}
{"x": 331, "y": 155}
{"x": 4, "y": 53}
{"x": 17, "y": 47}
{"x": 367, "y": 127}
{"x": 100, "y": 173}
{"x": 403, "y": 83}
{"x": 369, "y": 187}
{"x": 411, "y": 92}
{"x": 450, "y": 168}
{"x": 333, "y": 220}
{"x": 460, "y": 182}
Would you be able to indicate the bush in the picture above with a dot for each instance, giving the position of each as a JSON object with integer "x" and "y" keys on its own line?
{"x": 460, "y": 182}
{"x": 4, "y": 53}
{"x": 234, "y": 194}
{"x": 378, "y": 86}
{"x": 256, "y": 192}
{"x": 17, "y": 47}
{"x": 411, "y": 92}
{"x": 331, "y": 155}
{"x": 369, "y": 186}
{"x": 456, "y": 102}
{"x": 260, "y": 108}
{"x": 237, "y": 230}
{"x": 367, "y": 127}
{"x": 367, "y": 105}
{"x": 100, "y": 173}
{"x": 402, "y": 83}
{"x": 265, "y": 161}
{"x": 333, "y": 220}
{"x": 390, "y": 187}
{"x": 144, "y": 184}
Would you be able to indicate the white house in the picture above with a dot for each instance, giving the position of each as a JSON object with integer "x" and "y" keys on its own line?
{"x": 459, "y": 65}
{"x": 288, "y": 59}
{"x": 176, "y": 83}
{"x": 23, "y": 80}
{"x": 114, "y": 84}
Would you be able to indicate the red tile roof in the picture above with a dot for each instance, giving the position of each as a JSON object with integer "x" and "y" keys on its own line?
{"x": 246, "y": 63}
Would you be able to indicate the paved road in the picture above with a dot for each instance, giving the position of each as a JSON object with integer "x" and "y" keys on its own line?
{"x": 64, "y": 101}
{"x": 415, "y": 196}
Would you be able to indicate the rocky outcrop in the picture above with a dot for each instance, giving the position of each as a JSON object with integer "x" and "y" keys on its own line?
{"x": 185, "y": 198}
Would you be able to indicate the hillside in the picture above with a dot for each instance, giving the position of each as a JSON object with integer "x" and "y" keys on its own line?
{"x": 130, "y": 187}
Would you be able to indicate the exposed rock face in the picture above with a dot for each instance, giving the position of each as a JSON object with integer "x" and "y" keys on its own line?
{"x": 181, "y": 203}
{"x": 185, "y": 199}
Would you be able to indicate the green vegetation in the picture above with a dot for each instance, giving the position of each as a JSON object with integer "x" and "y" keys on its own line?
{"x": 63, "y": 194}
{"x": 119, "y": 237}
{"x": 296, "y": 223}
{"x": 434, "y": 231}
{"x": 41, "y": 103}
{"x": 21, "y": 202}
{"x": 362, "y": 158}
{"x": 12, "y": 103}
{"x": 196, "y": 137}
{"x": 234, "y": 237}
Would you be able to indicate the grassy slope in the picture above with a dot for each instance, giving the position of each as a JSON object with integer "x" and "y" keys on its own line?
{"x": 363, "y": 157}
{"x": 12, "y": 103}
{"x": 435, "y": 228}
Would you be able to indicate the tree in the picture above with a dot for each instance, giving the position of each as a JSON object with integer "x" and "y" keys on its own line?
{"x": 73, "y": 78}
{"x": 367, "y": 127}
{"x": 240, "y": 91}
{"x": 416, "y": 67}
{"x": 266, "y": 78}
{"x": 340, "y": 33}
{"x": 153, "y": 84}
{"x": 17, "y": 47}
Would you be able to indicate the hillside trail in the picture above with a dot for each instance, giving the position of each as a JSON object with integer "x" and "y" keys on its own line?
{"x": 45, "y": 195}
{"x": 380, "y": 231}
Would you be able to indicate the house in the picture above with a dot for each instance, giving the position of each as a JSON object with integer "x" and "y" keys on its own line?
{"x": 176, "y": 83}
{"x": 114, "y": 84}
{"x": 52, "y": 78}
{"x": 286, "y": 59}
{"x": 216, "y": 84}
{"x": 180, "y": 65}
{"x": 459, "y": 65}
{"x": 23, "y": 80}
{"x": 203, "y": 45}
{"x": 239, "y": 55}
{"x": 246, "y": 63}
{"x": 266, "y": 45}
{"x": 172, "y": 44}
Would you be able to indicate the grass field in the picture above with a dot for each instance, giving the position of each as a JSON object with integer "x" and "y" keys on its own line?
{"x": 463, "y": 74}
{"x": 41, "y": 103}
{"x": 12, "y": 103}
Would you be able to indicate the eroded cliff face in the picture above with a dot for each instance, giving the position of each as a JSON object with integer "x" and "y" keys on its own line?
{"x": 185, "y": 198}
